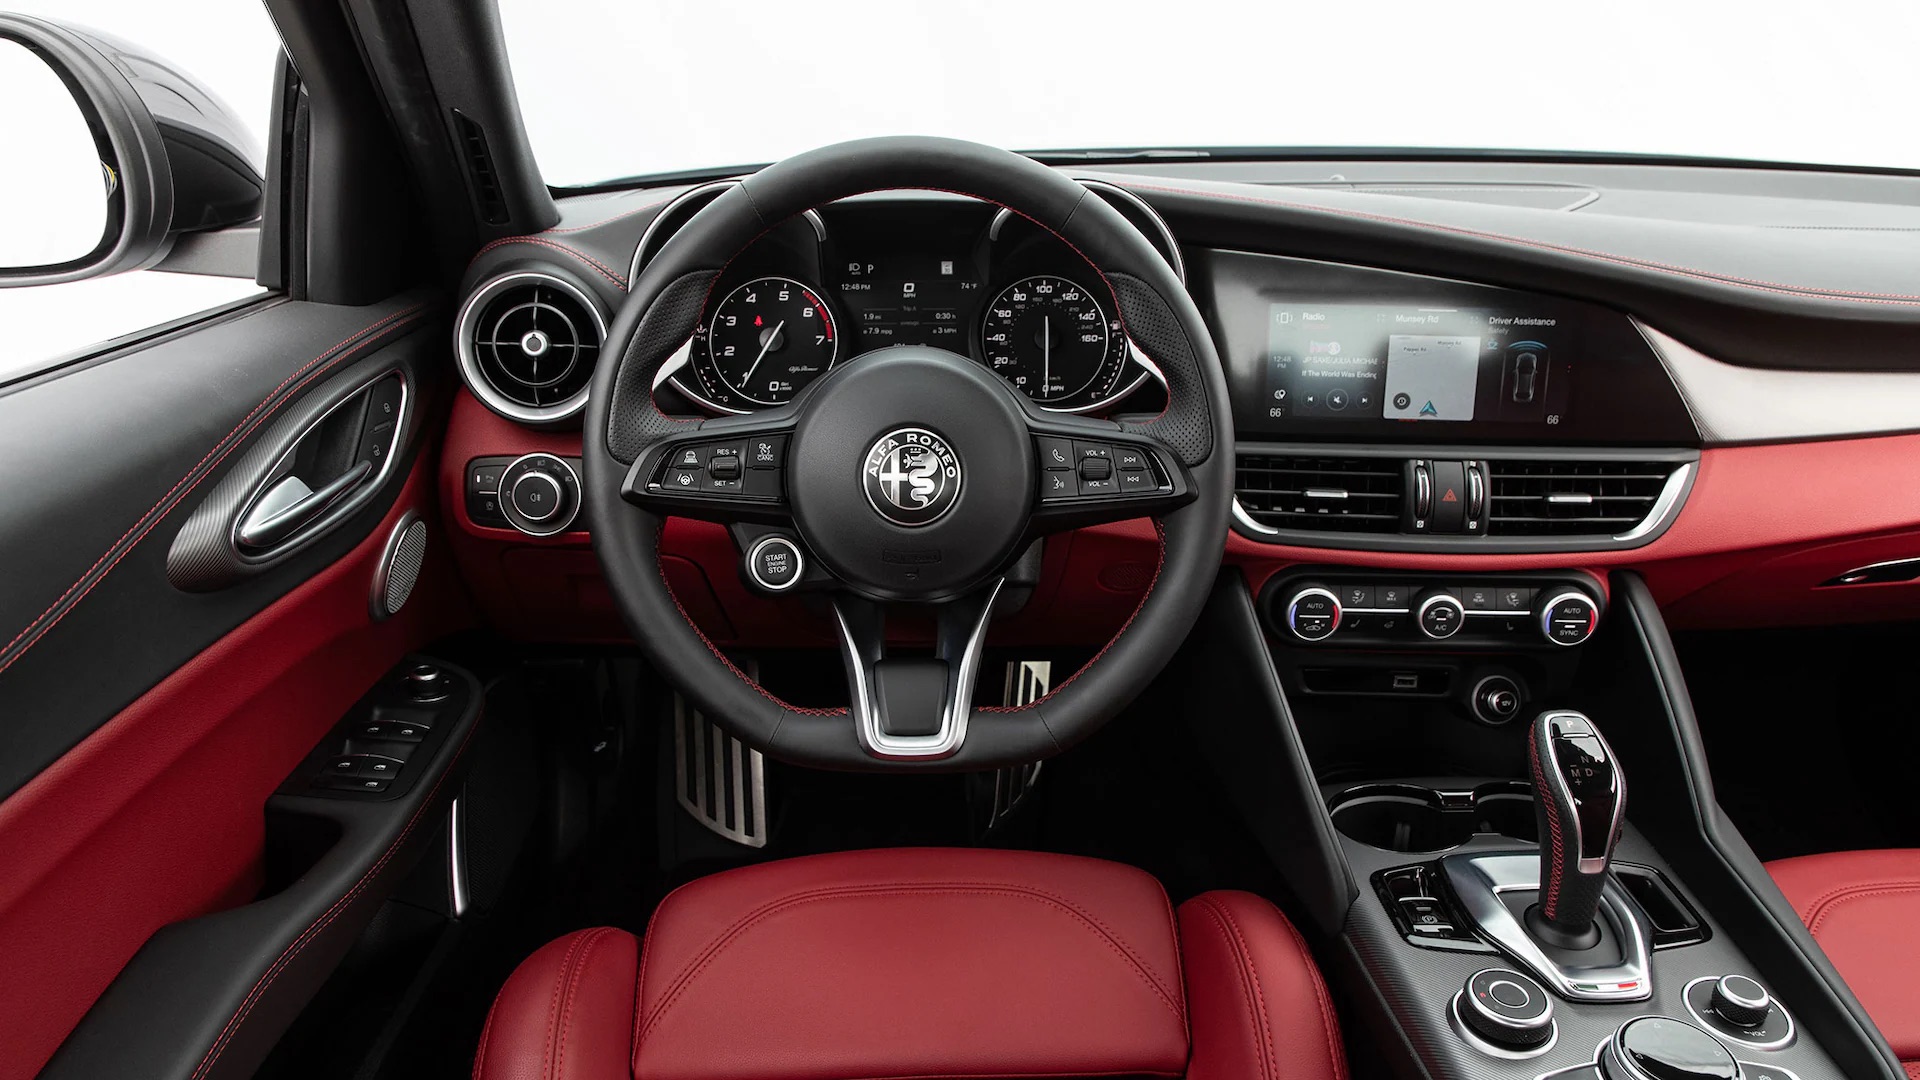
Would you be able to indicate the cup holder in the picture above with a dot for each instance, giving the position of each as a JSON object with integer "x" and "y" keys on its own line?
{"x": 1410, "y": 818}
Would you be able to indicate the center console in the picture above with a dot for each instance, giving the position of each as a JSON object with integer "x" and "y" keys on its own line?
{"x": 1487, "y": 789}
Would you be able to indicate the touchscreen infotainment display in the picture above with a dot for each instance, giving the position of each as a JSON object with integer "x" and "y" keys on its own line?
{"x": 1423, "y": 364}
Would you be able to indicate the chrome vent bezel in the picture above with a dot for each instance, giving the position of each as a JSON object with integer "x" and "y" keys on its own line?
{"x": 1573, "y": 498}
{"x": 1343, "y": 495}
{"x": 466, "y": 346}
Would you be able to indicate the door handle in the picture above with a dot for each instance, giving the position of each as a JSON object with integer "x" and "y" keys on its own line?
{"x": 290, "y": 504}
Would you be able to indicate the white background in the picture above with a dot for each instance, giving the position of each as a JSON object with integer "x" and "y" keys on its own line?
{"x": 621, "y": 87}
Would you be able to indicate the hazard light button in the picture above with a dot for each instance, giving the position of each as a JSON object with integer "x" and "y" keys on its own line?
{"x": 1449, "y": 496}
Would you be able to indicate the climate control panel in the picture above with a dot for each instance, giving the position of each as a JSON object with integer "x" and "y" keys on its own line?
{"x": 1345, "y": 608}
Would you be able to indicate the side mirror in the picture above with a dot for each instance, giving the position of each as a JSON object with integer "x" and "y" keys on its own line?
{"x": 114, "y": 152}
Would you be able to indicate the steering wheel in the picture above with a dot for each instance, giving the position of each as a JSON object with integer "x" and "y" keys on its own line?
{"x": 908, "y": 474}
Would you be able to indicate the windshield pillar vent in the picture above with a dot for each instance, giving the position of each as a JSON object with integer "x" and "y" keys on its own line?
{"x": 488, "y": 197}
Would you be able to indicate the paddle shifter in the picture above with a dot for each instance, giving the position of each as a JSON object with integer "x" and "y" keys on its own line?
{"x": 1580, "y": 802}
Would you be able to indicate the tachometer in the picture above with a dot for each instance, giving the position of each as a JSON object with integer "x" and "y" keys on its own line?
{"x": 1050, "y": 338}
{"x": 769, "y": 338}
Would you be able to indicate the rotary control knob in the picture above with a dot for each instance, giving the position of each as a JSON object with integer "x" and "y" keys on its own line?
{"x": 1662, "y": 1048}
{"x": 1441, "y": 615}
{"x": 1507, "y": 1009}
{"x": 1568, "y": 617}
{"x": 1313, "y": 614}
{"x": 1741, "y": 1001}
{"x": 540, "y": 494}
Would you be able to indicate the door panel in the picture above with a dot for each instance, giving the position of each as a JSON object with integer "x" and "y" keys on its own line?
{"x": 142, "y": 727}
{"x": 105, "y": 463}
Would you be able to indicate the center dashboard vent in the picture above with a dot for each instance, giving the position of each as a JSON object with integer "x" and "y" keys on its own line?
{"x": 1574, "y": 498}
{"x": 527, "y": 344}
{"x": 1532, "y": 503}
{"x": 1322, "y": 494}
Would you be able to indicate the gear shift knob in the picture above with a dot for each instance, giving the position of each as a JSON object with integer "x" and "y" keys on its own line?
{"x": 1580, "y": 802}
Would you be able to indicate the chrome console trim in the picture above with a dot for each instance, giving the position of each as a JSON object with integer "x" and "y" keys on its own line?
{"x": 1478, "y": 881}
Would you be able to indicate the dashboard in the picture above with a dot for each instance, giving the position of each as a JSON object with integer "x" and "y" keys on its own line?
{"x": 1570, "y": 386}
{"x": 915, "y": 268}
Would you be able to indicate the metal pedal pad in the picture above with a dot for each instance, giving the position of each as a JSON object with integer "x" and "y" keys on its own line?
{"x": 1027, "y": 682}
{"x": 718, "y": 779}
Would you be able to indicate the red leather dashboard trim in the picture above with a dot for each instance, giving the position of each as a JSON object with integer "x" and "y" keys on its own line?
{"x": 1762, "y": 526}
{"x": 156, "y": 816}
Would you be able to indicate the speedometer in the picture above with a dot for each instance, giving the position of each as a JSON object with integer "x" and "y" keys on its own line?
{"x": 1050, "y": 338}
{"x": 767, "y": 340}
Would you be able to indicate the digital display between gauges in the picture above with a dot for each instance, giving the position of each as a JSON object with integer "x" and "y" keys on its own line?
{"x": 1051, "y": 339}
{"x": 767, "y": 340}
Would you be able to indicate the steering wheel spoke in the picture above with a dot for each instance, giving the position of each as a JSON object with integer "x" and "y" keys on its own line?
{"x": 730, "y": 471}
{"x": 914, "y": 708}
{"x": 1092, "y": 474}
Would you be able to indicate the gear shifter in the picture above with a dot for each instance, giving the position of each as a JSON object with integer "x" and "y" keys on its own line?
{"x": 1580, "y": 802}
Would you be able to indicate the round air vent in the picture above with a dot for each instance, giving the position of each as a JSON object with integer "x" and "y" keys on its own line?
{"x": 527, "y": 344}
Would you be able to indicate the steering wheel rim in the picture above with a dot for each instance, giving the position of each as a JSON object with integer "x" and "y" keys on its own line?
{"x": 626, "y": 437}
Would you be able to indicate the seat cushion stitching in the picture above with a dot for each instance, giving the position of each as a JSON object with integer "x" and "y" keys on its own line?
{"x": 1255, "y": 1002}
{"x": 486, "y": 1040}
{"x": 1833, "y": 902}
{"x": 1807, "y": 913}
{"x": 548, "y": 1048}
{"x": 720, "y": 943}
{"x": 593, "y": 940}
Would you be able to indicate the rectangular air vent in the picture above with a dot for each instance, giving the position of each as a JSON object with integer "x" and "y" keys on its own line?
{"x": 487, "y": 194}
{"x": 1322, "y": 494}
{"x": 1574, "y": 498}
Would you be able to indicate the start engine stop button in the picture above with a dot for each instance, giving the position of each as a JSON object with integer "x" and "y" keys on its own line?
{"x": 774, "y": 563}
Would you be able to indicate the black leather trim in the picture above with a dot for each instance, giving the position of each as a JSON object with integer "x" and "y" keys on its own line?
{"x": 211, "y": 996}
{"x": 108, "y": 459}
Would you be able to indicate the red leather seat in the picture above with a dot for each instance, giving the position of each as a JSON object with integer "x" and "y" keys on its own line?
{"x": 923, "y": 963}
{"x": 1863, "y": 907}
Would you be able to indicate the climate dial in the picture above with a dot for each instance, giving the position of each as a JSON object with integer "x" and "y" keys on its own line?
{"x": 1313, "y": 614}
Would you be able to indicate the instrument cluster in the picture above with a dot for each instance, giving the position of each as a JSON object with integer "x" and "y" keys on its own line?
{"x": 916, "y": 268}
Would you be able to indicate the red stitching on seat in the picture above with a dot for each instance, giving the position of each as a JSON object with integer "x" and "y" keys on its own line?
{"x": 1832, "y": 901}
{"x": 146, "y": 522}
{"x": 720, "y": 942}
{"x": 605, "y": 271}
{"x": 548, "y": 1048}
{"x": 1249, "y": 982}
{"x": 326, "y": 918}
{"x": 1754, "y": 284}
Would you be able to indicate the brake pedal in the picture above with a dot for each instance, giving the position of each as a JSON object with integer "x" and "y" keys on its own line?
{"x": 717, "y": 779}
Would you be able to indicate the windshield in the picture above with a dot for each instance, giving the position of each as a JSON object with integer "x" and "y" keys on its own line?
{"x": 623, "y": 89}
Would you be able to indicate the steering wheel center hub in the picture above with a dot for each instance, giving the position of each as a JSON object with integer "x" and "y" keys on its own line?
{"x": 911, "y": 474}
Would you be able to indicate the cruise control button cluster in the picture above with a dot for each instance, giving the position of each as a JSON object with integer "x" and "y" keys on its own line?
{"x": 1076, "y": 469}
{"x": 751, "y": 467}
